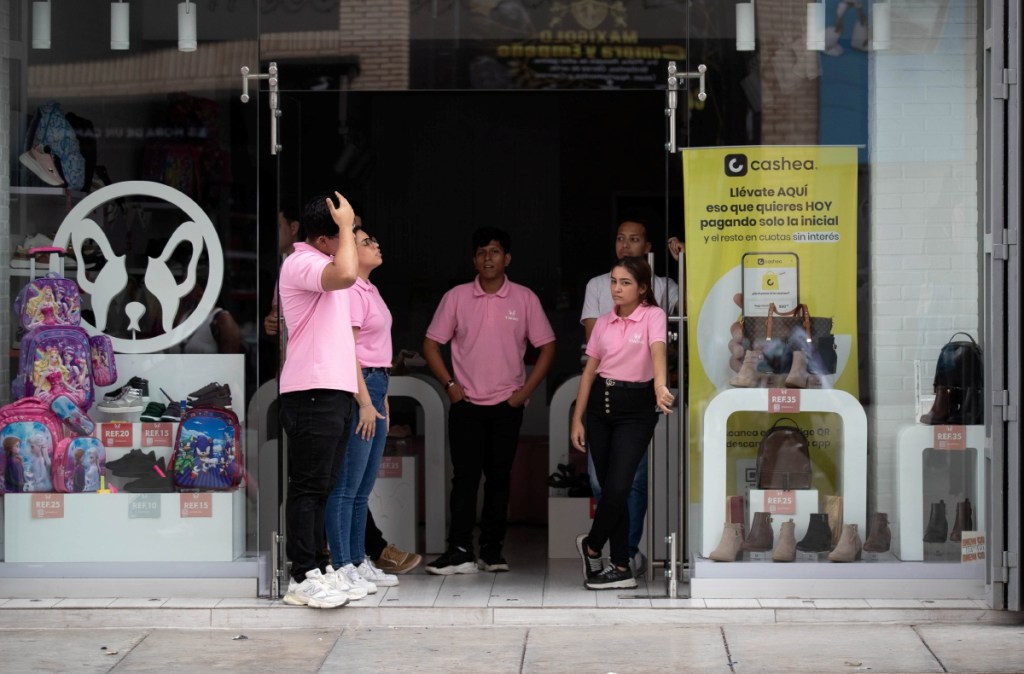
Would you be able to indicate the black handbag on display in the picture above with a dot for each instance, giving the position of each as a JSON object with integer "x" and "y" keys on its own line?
{"x": 958, "y": 384}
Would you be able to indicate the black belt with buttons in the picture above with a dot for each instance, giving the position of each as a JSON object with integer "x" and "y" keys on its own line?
{"x": 615, "y": 383}
{"x": 385, "y": 370}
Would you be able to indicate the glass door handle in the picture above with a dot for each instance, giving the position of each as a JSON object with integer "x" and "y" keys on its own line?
{"x": 275, "y": 108}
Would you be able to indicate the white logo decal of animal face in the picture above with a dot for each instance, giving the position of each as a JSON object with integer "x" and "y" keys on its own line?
{"x": 198, "y": 231}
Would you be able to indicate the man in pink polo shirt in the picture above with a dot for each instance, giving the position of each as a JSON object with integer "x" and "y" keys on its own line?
{"x": 488, "y": 323}
{"x": 317, "y": 382}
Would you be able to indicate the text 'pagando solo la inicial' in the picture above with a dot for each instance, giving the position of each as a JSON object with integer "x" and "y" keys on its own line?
{"x": 800, "y": 213}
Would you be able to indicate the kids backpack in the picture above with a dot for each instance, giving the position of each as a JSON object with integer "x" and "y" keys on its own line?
{"x": 55, "y": 361}
{"x": 783, "y": 460}
{"x": 207, "y": 451}
{"x": 30, "y": 433}
{"x": 49, "y": 301}
{"x": 78, "y": 464}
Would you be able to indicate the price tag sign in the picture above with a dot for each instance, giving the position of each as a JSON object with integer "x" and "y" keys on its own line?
{"x": 157, "y": 435}
{"x": 144, "y": 507}
{"x": 779, "y": 502}
{"x": 196, "y": 505}
{"x": 972, "y": 546}
{"x": 47, "y": 506}
{"x": 950, "y": 438}
{"x": 390, "y": 466}
{"x": 784, "y": 400}
{"x": 116, "y": 434}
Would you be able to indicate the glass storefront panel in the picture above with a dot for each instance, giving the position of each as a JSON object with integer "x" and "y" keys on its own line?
{"x": 547, "y": 119}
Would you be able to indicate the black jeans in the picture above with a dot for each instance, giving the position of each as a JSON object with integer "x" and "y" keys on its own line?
{"x": 317, "y": 423}
{"x": 483, "y": 440}
{"x": 620, "y": 425}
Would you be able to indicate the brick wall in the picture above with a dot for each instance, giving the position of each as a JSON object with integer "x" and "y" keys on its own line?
{"x": 923, "y": 130}
{"x": 789, "y": 74}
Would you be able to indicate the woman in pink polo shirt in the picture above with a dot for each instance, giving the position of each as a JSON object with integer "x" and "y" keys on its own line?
{"x": 621, "y": 390}
{"x": 347, "y": 504}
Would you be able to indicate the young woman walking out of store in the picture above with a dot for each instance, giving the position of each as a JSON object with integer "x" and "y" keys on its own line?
{"x": 621, "y": 391}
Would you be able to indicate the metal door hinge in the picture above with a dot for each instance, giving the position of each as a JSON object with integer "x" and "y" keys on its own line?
{"x": 1001, "y": 88}
{"x": 1001, "y": 399}
{"x": 1009, "y": 562}
{"x": 1001, "y": 250}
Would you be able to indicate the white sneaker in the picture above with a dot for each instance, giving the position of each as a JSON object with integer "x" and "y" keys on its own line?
{"x": 339, "y": 581}
{"x": 130, "y": 400}
{"x": 371, "y": 573}
{"x": 355, "y": 580}
{"x": 314, "y": 592}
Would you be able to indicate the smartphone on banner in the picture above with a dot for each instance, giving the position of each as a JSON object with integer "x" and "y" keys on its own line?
{"x": 770, "y": 278}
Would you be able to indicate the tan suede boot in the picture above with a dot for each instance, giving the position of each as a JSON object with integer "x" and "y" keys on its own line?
{"x": 730, "y": 546}
{"x": 747, "y": 376}
{"x": 785, "y": 549}
{"x": 849, "y": 546}
{"x": 833, "y": 507}
{"x": 797, "y": 377}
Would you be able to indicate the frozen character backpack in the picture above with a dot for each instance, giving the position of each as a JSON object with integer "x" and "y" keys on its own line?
{"x": 78, "y": 464}
{"x": 29, "y": 433}
{"x": 207, "y": 452}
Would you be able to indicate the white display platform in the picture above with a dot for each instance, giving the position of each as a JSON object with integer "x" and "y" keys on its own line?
{"x": 852, "y": 466}
{"x": 805, "y": 503}
{"x": 909, "y": 522}
{"x": 126, "y": 527}
{"x": 393, "y": 501}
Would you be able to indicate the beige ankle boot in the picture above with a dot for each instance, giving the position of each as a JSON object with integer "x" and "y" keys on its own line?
{"x": 730, "y": 546}
{"x": 797, "y": 377}
{"x": 785, "y": 549}
{"x": 833, "y": 507}
{"x": 849, "y": 546}
{"x": 747, "y": 376}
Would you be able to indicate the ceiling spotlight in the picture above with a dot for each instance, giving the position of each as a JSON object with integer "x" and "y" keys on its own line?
{"x": 815, "y": 26}
{"x": 745, "y": 26}
{"x": 119, "y": 25}
{"x": 186, "y": 26}
{"x": 41, "y": 25}
{"x": 881, "y": 29}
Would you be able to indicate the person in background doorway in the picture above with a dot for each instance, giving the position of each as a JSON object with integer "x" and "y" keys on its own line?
{"x": 489, "y": 323}
{"x": 317, "y": 383}
{"x": 631, "y": 240}
{"x": 622, "y": 387}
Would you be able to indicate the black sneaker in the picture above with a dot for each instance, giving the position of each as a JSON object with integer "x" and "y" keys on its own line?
{"x": 136, "y": 383}
{"x": 491, "y": 560}
{"x": 456, "y": 560}
{"x": 172, "y": 413}
{"x": 133, "y": 464}
{"x": 153, "y": 412}
{"x": 210, "y": 389}
{"x": 152, "y": 482}
{"x": 591, "y": 565}
{"x": 612, "y": 578}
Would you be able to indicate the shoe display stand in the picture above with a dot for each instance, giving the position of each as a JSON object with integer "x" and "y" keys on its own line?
{"x": 912, "y": 508}
{"x": 805, "y": 502}
{"x": 852, "y": 467}
{"x": 567, "y": 516}
{"x": 394, "y": 500}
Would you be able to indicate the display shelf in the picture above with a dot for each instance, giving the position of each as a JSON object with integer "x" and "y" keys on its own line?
{"x": 911, "y": 444}
{"x": 852, "y": 466}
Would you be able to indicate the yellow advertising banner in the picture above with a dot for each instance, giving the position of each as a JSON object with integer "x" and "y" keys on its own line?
{"x": 771, "y": 247}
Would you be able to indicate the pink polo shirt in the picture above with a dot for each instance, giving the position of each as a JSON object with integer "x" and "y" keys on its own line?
{"x": 488, "y": 333}
{"x": 373, "y": 318}
{"x": 623, "y": 345}
{"x": 321, "y": 352}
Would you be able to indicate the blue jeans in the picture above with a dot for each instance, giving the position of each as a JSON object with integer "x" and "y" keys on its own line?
{"x": 637, "y": 501}
{"x": 317, "y": 424}
{"x": 348, "y": 503}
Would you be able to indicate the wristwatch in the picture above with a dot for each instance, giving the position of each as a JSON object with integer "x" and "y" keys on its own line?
{"x": 449, "y": 384}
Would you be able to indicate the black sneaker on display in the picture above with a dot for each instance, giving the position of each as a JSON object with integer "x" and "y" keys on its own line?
{"x": 153, "y": 412}
{"x": 155, "y": 481}
{"x": 142, "y": 385}
{"x": 612, "y": 578}
{"x": 209, "y": 389}
{"x": 456, "y": 560}
{"x": 135, "y": 463}
{"x": 172, "y": 413}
